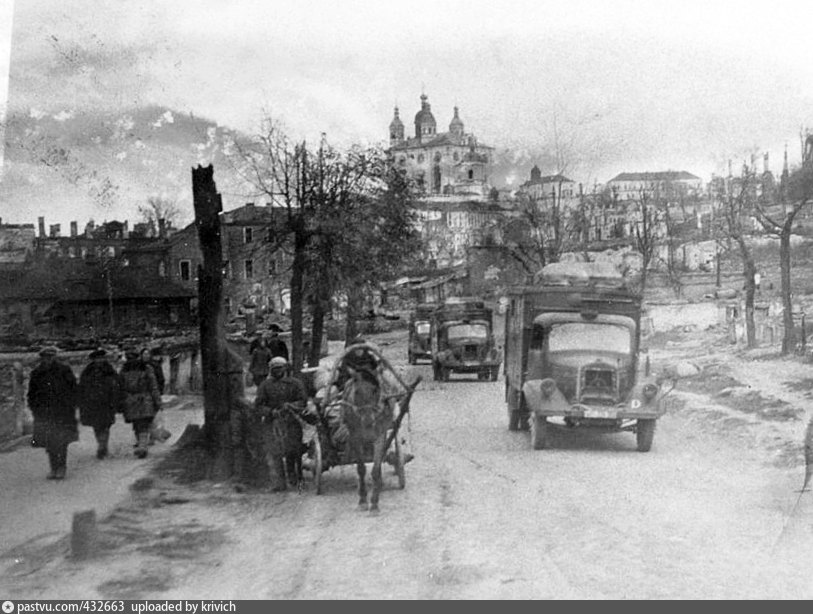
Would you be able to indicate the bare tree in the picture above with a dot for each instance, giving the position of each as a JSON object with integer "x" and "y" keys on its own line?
{"x": 675, "y": 266}
{"x": 160, "y": 212}
{"x": 645, "y": 235}
{"x": 331, "y": 220}
{"x": 737, "y": 204}
{"x": 777, "y": 219}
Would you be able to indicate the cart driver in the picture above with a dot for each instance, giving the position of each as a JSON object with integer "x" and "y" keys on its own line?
{"x": 280, "y": 399}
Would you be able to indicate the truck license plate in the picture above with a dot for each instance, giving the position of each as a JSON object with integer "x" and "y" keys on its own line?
{"x": 600, "y": 413}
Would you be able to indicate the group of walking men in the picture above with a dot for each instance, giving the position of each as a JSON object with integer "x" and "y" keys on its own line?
{"x": 54, "y": 394}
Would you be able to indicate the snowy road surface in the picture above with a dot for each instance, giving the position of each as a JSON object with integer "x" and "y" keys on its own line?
{"x": 483, "y": 515}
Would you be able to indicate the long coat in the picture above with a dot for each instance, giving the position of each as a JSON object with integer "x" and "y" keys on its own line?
{"x": 142, "y": 399}
{"x": 52, "y": 400}
{"x": 100, "y": 395}
{"x": 282, "y": 432}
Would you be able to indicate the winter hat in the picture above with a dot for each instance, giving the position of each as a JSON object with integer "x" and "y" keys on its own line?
{"x": 278, "y": 361}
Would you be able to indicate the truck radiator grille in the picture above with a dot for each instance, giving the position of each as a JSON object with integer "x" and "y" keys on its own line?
{"x": 599, "y": 386}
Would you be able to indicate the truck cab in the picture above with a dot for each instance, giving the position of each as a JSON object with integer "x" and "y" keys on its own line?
{"x": 463, "y": 340}
{"x": 572, "y": 353}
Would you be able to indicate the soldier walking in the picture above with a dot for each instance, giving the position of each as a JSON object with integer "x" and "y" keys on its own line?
{"x": 52, "y": 400}
{"x": 279, "y": 400}
{"x": 142, "y": 401}
{"x": 100, "y": 397}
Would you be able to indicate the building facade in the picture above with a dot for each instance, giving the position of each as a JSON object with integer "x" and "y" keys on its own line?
{"x": 629, "y": 186}
{"x": 254, "y": 271}
{"x": 442, "y": 164}
{"x": 550, "y": 188}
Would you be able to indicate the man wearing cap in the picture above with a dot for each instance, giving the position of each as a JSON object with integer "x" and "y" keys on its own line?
{"x": 141, "y": 399}
{"x": 280, "y": 399}
{"x": 100, "y": 397}
{"x": 52, "y": 400}
{"x": 157, "y": 363}
{"x": 259, "y": 362}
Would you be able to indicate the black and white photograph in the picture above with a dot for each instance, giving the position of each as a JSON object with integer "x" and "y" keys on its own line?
{"x": 360, "y": 300}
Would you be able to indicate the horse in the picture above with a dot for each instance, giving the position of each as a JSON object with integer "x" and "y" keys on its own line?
{"x": 367, "y": 417}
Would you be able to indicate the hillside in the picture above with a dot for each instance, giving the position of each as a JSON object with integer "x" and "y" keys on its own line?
{"x": 102, "y": 166}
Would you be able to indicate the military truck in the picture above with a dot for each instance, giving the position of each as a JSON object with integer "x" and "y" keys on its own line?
{"x": 572, "y": 355}
{"x": 463, "y": 340}
{"x": 421, "y": 327}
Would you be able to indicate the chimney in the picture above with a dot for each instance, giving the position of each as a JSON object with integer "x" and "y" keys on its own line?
{"x": 162, "y": 228}
{"x": 766, "y": 168}
{"x": 74, "y": 230}
{"x": 56, "y": 229}
{"x": 41, "y": 221}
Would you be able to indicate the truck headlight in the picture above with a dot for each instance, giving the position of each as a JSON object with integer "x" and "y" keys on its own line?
{"x": 650, "y": 391}
{"x": 548, "y": 387}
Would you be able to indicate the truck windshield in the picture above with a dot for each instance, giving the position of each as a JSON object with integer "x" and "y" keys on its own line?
{"x": 422, "y": 328}
{"x": 467, "y": 331}
{"x": 586, "y": 336}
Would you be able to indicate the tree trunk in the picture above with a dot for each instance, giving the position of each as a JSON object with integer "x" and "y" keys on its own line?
{"x": 216, "y": 401}
{"x": 749, "y": 270}
{"x": 317, "y": 332}
{"x": 354, "y": 305}
{"x": 789, "y": 339}
{"x": 297, "y": 298}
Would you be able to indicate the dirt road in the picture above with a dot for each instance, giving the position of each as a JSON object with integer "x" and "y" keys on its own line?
{"x": 482, "y": 516}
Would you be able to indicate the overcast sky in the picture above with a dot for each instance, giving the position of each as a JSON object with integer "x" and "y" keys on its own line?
{"x": 628, "y": 85}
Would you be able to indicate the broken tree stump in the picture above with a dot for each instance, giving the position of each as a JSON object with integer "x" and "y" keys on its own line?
{"x": 84, "y": 535}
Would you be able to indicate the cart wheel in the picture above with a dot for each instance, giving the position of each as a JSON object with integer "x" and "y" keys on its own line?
{"x": 644, "y": 433}
{"x": 539, "y": 429}
{"x": 317, "y": 463}
{"x": 399, "y": 464}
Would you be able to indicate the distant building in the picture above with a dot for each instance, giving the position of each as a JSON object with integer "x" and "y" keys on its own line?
{"x": 255, "y": 273}
{"x": 629, "y": 186}
{"x": 550, "y": 188}
{"x": 445, "y": 164}
{"x": 77, "y": 299}
{"x": 16, "y": 244}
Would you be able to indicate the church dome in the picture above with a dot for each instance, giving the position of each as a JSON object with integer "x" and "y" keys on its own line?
{"x": 456, "y": 125}
{"x": 396, "y": 127}
{"x": 425, "y": 123}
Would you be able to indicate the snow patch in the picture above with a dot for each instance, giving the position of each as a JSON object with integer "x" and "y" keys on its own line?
{"x": 63, "y": 116}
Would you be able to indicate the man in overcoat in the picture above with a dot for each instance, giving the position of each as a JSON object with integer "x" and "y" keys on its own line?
{"x": 52, "y": 400}
{"x": 260, "y": 356}
{"x": 279, "y": 400}
{"x": 141, "y": 397}
{"x": 277, "y": 347}
{"x": 100, "y": 397}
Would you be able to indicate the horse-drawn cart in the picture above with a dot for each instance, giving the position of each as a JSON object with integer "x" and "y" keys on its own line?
{"x": 358, "y": 418}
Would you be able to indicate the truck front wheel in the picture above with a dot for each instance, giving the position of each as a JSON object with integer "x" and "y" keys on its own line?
{"x": 644, "y": 433}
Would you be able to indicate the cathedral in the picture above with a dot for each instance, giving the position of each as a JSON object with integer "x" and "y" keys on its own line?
{"x": 445, "y": 164}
